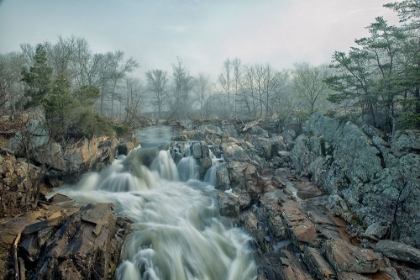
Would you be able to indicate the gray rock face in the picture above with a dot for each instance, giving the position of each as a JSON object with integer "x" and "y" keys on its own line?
{"x": 377, "y": 230}
{"x": 399, "y": 251}
{"x": 404, "y": 142}
{"x": 222, "y": 177}
{"x": 262, "y": 146}
{"x": 196, "y": 150}
{"x": 34, "y": 135}
{"x": 375, "y": 178}
{"x": 339, "y": 207}
{"x": 230, "y": 131}
{"x": 233, "y": 152}
{"x": 201, "y": 153}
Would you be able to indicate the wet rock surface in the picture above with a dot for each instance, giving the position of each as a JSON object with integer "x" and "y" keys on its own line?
{"x": 85, "y": 245}
{"x": 318, "y": 206}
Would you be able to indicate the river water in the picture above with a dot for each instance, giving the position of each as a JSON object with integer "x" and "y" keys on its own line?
{"x": 177, "y": 230}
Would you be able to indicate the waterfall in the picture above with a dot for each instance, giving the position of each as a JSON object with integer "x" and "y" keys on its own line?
{"x": 176, "y": 229}
{"x": 165, "y": 166}
{"x": 210, "y": 176}
{"x": 187, "y": 168}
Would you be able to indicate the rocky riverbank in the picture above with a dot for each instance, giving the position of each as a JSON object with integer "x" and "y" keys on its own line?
{"x": 53, "y": 238}
{"x": 338, "y": 201}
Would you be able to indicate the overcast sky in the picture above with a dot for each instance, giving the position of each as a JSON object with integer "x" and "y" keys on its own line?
{"x": 203, "y": 33}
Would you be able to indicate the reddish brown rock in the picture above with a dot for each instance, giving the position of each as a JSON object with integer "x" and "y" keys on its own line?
{"x": 345, "y": 257}
{"x": 87, "y": 246}
{"x": 300, "y": 228}
{"x": 351, "y": 276}
{"x": 318, "y": 264}
{"x": 293, "y": 268}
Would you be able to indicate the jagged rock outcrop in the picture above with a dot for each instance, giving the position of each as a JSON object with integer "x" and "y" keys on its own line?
{"x": 86, "y": 245}
{"x": 66, "y": 160}
{"x": 19, "y": 182}
{"x": 376, "y": 178}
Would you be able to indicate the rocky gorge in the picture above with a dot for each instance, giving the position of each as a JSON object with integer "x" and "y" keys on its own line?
{"x": 337, "y": 201}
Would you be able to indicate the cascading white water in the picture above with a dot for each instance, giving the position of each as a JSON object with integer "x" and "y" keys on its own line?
{"x": 210, "y": 175}
{"x": 177, "y": 234}
{"x": 187, "y": 168}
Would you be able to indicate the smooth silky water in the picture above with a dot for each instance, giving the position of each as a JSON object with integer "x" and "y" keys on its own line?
{"x": 176, "y": 232}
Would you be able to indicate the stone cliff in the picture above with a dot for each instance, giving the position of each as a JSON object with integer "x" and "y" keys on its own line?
{"x": 376, "y": 176}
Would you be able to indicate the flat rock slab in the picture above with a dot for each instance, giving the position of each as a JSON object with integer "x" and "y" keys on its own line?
{"x": 345, "y": 257}
{"x": 307, "y": 190}
{"x": 301, "y": 229}
{"x": 328, "y": 226}
{"x": 282, "y": 265}
{"x": 398, "y": 251}
{"x": 293, "y": 268}
{"x": 351, "y": 276}
{"x": 318, "y": 264}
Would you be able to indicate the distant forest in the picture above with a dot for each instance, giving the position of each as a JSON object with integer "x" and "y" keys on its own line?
{"x": 86, "y": 93}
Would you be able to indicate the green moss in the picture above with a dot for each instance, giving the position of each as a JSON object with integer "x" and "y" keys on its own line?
{"x": 121, "y": 130}
{"x": 357, "y": 221}
{"x": 89, "y": 124}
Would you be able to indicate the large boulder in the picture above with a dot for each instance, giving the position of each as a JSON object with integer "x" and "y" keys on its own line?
{"x": 405, "y": 141}
{"x": 19, "y": 182}
{"x": 262, "y": 146}
{"x": 86, "y": 246}
{"x": 345, "y": 257}
{"x": 77, "y": 157}
{"x": 234, "y": 152}
{"x": 222, "y": 177}
{"x": 201, "y": 153}
{"x": 398, "y": 251}
{"x": 34, "y": 135}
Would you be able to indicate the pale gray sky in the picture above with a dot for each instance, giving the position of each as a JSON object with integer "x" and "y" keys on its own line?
{"x": 203, "y": 33}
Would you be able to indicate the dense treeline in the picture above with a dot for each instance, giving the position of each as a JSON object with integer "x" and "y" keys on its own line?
{"x": 78, "y": 89}
{"x": 102, "y": 85}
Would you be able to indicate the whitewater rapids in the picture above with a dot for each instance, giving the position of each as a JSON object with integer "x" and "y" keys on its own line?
{"x": 177, "y": 233}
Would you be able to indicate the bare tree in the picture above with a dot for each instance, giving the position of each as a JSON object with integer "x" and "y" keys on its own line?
{"x": 203, "y": 91}
{"x": 11, "y": 89}
{"x": 157, "y": 82}
{"x": 28, "y": 53}
{"x": 236, "y": 83}
{"x": 135, "y": 94}
{"x": 225, "y": 80}
{"x": 62, "y": 55}
{"x": 279, "y": 100}
{"x": 248, "y": 90}
{"x": 308, "y": 83}
{"x": 183, "y": 84}
{"x": 117, "y": 71}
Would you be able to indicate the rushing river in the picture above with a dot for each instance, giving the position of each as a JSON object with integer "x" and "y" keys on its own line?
{"x": 177, "y": 232}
